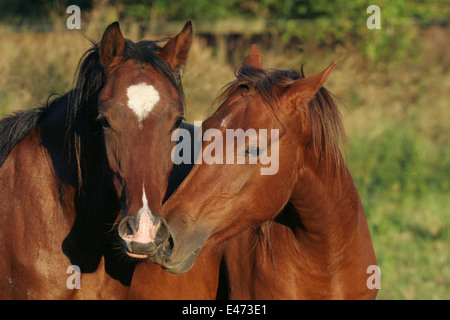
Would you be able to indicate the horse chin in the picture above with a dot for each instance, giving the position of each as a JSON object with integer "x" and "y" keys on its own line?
{"x": 175, "y": 257}
{"x": 179, "y": 265}
{"x": 183, "y": 267}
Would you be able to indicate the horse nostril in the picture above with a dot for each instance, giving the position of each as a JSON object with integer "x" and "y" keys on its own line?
{"x": 127, "y": 229}
{"x": 171, "y": 242}
{"x": 168, "y": 246}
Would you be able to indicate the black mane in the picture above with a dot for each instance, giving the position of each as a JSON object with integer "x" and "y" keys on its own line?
{"x": 14, "y": 128}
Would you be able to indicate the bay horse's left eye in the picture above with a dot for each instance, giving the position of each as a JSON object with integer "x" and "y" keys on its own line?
{"x": 178, "y": 122}
{"x": 103, "y": 121}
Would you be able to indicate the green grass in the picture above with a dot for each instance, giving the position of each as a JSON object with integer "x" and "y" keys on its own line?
{"x": 399, "y": 156}
{"x": 411, "y": 243}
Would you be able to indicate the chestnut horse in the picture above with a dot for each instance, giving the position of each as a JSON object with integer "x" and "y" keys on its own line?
{"x": 68, "y": 168}
{"x": 300, "y": 233}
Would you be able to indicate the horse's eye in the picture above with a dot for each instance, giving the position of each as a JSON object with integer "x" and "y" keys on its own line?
{"x": 178, "y": 122}
{"x": 252, "y": 151}
{"x": 103, "y": 121}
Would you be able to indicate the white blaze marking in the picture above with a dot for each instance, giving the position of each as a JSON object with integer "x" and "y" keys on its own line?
{"x": 144, "y": 200}
{"x": 225, "y": 120}
{"x": 142, "y": 98}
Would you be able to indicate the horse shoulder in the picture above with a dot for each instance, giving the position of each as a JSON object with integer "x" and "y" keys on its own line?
{"x": 31, "y": 224}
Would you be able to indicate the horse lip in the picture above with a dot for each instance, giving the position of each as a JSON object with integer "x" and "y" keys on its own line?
{"x": 139, "y": 255}
{"x": 136, "y": 256}
{"x": 132, "y": 254}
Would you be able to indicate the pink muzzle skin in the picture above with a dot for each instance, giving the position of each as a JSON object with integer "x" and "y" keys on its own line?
{"x": 146, "y": 233}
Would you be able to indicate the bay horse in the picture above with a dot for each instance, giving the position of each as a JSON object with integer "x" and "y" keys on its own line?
{"x": 205, "y": 281}
{"x": 68, "y": 168}
{"x": 300, "y": 233}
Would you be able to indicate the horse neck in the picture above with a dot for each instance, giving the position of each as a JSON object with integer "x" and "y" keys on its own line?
{"x": 88, "y": 198}
{"x": 330, "y": 219}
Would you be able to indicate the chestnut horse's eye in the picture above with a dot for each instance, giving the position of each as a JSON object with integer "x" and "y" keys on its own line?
{"x": 252, "y": 151}
{"x": 103, "y": 121}
{"x": 178, "y": 122}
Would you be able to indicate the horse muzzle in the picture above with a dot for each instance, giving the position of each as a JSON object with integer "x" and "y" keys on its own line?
{"x": 144, "y": 235}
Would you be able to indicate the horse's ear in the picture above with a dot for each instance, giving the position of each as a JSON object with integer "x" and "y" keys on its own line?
{"x": 254, "y": 58}
{"x": 112, "y": 44}
{"x": 176, "y": 50}
{"x": 304, "y": 89}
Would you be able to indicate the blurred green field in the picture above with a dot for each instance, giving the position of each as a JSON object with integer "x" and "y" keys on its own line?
{"x": 395, "y": 110}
